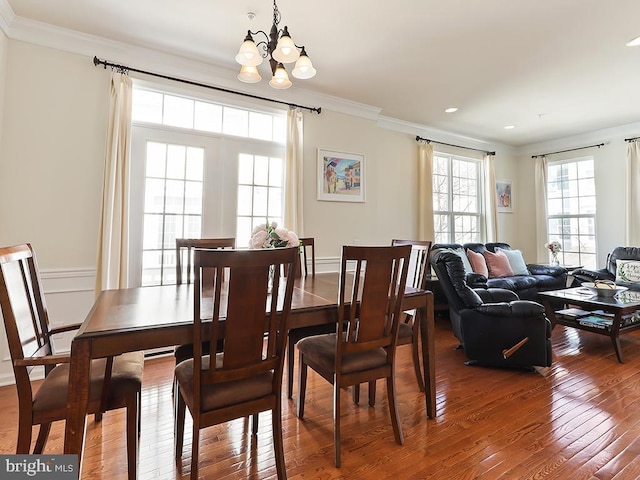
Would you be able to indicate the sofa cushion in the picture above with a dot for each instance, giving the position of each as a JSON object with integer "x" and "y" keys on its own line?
{"x": 478, "y": 263}
{"x": 497, "y": 264}
{"x": 516, "y": 261}
{"x": 515, "y": 283}
{"x": 628, "y": 271}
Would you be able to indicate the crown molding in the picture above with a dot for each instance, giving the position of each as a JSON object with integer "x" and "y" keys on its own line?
{"x": 190, "y": 68}
{"x": 6, "y": 16}
{"x": 605, "y": 136}
{"x": 435, "y": 134}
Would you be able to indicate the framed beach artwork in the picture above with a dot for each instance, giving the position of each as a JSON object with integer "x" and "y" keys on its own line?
{"x": 341, "y": 176}
{"x": 504, "y": 196}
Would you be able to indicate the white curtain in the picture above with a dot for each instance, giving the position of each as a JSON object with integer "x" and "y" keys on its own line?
{"x": 633, "y": 193}
{"x": 425, "y": 192}
{"x": 113, "y": 241}
{"x": 491, "y": 204}
{"x": 293, "y": 212}
{"x": 542, "y": 236}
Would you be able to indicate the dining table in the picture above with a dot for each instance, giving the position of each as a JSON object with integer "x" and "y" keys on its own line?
{"x": 151, "y": 317}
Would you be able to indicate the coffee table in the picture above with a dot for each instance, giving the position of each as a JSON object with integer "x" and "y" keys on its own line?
{"x": 621, "y": 306}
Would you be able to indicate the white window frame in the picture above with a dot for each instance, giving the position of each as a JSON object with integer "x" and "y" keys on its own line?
{"x": 454, "y": 217}
{"x": 219, "y": 212}
{"x": 569, "y": 255}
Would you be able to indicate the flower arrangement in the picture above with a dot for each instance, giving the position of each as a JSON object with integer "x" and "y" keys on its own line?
{"x": 270, "y": 235}
{"x": 554, "y": 247}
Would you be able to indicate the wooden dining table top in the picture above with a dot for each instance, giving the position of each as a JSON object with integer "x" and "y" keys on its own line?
{"x": 144, "y": 318}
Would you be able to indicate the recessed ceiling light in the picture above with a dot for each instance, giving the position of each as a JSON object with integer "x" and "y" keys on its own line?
{"x": 509, "y": 127}
{"x": 451, "y": 109}
{"x": 634, "y": 43}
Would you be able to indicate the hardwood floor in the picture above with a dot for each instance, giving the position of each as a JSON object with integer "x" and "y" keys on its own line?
{"x": 579, "y": 421}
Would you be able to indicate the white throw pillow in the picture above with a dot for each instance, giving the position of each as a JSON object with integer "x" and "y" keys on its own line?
{"x": 516, "y": 260}
{"x": 465, "y": 261}
{"x": 627, "y": 271}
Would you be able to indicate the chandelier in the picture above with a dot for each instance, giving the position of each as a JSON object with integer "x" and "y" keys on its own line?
{"x": 279, "y": 48}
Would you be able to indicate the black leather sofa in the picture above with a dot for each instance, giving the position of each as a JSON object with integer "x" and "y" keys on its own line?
{"x": 582, "y": 275}
{"x": 492, "y": 323}
{"x": 540, "y": 278}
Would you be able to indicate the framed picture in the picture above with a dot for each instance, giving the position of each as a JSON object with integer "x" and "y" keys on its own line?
{"x": 504, "y": 196}
{"x": 341, "y": 176}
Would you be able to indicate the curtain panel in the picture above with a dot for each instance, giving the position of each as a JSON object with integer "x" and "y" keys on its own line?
{"x": 633, "y": 193}
{"x": 293, "y": 211}
{"x": 113, "y": 242}
{"x": 425, "y": 192}
{"x": 542, "y": 235}
{"x": 491, "y": 204}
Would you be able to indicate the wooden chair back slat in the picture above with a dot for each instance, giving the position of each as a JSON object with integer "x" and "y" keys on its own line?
{"x": 419, "y": 262}
{"x": 184, "y": 254}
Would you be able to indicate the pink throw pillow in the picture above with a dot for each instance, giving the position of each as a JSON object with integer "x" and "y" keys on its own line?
{"x": 498, "y": 264}
{"x": 478, "y": 263}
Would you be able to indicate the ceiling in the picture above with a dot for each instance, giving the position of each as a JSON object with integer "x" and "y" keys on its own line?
{"x": 552, "y": 68}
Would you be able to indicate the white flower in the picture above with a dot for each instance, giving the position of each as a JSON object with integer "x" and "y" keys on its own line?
{"x": 294, "y": 241}
{"x": 269, "y": 235}
{"x": 282, "y": 232}
{"x": 554, "y": 246}
{"x": 257, "y": 228}
{"x": 259, "y": 239}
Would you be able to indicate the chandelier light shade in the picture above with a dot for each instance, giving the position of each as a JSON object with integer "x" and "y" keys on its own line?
{"x": 279, "y": 48}
{"x": 303, "y": 68}
{"x": 249, "y": 74}
{"x": 248, "y": 55}
{"x": 280, "y": 79}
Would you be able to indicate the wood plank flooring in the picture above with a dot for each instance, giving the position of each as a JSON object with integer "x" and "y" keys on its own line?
{"x": 580, "y": 420}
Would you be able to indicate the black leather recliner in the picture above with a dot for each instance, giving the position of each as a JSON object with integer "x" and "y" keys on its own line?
{"x": 492, "y": 323}
{"x": 582, "y": 275}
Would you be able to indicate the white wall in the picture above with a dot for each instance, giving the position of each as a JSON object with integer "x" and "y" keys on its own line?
{"x": 55, "y": 113}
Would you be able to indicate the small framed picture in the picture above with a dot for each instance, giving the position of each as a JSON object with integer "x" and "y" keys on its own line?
{"x": 504, "y": 196}
{"x": 341, "y": 176}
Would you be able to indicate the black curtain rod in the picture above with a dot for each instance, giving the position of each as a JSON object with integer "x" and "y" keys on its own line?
{"x": 125, "y": 69}
{"x": 570, "y": 150}
{"x": 631, "y": 139}
{"x": 419, "y": 138}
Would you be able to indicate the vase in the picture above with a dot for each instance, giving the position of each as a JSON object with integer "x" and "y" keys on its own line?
{"x": 555, "y": 260}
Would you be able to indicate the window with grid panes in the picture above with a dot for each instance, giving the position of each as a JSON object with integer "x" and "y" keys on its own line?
{"x": 571, "y": 210}
{"x": 206, "y": 169}
{"x": 456, "y": 199}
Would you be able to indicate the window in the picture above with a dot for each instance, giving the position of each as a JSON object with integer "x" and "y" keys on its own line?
{"x": 456, "y": 199}
{"x": 260, "y": 193}
{"x": 571, "y": 210}
{"x": 199, "y": 169}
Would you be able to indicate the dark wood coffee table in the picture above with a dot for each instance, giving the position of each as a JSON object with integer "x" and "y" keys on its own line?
{"x": 620, "y": 306}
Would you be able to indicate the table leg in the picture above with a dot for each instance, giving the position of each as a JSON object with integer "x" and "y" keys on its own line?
{"x": 78, "y": 398}
{"x": 427, "y": 327}
{"x": 615, "y": 337}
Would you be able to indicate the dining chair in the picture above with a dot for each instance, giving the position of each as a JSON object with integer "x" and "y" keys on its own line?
{"x": 115, "y": 382}
{"x": 373, "y": 279}
{"x": 245, "y": 378}
{"x": 184, "y": 260}
{"x": 308, "y": 250}
{"x": 409, "y": 330}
